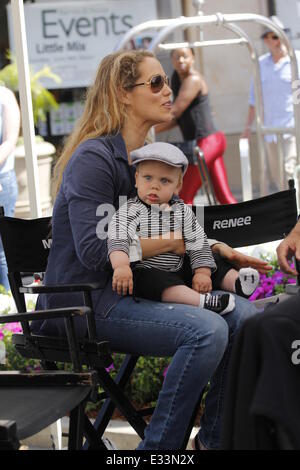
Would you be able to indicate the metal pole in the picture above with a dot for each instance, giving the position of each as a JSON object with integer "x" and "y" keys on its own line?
{"x": 259, "y": 112}
{"x": 26, "y": 107}
{"x": 282, "y": 183}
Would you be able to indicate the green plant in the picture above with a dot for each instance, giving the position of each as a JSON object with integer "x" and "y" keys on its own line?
{"x": 42, "y": 99}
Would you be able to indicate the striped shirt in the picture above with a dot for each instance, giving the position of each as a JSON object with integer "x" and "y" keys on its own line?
{"x": 151, "y": 221}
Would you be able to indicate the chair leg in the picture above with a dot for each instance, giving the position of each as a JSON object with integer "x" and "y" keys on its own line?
{"x": 56, "y": 434}
{"x": 92, "y": 437}
{"x": 76, "y": 428}
{"x": 122, "y": 402}
{"x": 109, "y": 406}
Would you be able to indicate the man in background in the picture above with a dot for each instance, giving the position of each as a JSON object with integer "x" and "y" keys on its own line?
{"x": 277, "y": 95}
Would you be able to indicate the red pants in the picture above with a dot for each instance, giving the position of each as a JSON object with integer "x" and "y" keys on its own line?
{"x": 213, "y": 148}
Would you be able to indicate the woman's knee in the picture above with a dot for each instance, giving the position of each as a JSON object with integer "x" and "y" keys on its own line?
{"x": 212, "y": 334}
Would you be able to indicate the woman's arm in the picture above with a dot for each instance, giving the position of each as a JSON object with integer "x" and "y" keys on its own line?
{"x": 11, "y": 124}
{"x": 250, "y": 118}
{"x": 165, "y": 126}
{"x": 89, "y": 189}
{"x": 167, "y": 243}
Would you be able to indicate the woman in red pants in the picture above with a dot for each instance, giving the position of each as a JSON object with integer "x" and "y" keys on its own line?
{"x": 192, "y": 113}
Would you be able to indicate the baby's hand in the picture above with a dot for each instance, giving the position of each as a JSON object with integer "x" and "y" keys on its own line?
{"x": 202, "y": 283}
{"x": 122, "y": 280}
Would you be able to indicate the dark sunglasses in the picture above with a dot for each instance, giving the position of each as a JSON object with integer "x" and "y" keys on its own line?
{"x": 156, "y": 83}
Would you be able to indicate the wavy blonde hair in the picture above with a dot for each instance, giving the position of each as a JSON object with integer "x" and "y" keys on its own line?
{"x": 103, "y": 111}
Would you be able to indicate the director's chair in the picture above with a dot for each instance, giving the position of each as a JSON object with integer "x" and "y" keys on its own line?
{"x": 30, "y": 401}
{"x": 27, "y": 244}
{"x": 247, "y": 223}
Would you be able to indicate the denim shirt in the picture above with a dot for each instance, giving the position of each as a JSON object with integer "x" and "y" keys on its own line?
{"x": 96, "y": 175}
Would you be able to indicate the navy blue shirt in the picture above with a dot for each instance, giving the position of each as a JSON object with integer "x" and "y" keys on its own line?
{"x": 97, "y": 174}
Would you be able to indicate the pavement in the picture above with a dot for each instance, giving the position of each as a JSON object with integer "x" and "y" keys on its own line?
{"x": 120, "y": 435}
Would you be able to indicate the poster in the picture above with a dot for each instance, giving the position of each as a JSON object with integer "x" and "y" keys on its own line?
{"x": 72, "y": 37}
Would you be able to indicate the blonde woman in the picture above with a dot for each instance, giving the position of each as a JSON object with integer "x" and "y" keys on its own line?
{"x": 129, "y": 96}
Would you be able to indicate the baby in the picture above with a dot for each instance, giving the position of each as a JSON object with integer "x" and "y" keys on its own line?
{"x": 156, "y": 212}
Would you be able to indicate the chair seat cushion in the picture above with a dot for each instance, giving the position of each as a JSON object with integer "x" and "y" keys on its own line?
{"x": 33, "y": 409}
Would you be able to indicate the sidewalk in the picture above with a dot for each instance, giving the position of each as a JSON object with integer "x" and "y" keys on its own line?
{"x": 119, "y": 432}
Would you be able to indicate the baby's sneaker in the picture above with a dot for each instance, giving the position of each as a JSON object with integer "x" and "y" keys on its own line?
{"x": 219, "y": 303}
{"x": 247, "y": 282}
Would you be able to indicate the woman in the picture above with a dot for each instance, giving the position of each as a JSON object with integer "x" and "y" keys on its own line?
{"x": 191, "y": 111}
{"x": 9, "y": 132}
{"x": 129, "y": 96}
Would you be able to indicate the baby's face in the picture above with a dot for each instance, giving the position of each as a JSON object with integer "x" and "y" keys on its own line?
{"x": 157, "y": 182}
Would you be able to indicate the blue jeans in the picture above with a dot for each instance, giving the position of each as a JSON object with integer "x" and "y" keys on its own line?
{"x": 199, "y": 342}
{"x": 8, "y": 197}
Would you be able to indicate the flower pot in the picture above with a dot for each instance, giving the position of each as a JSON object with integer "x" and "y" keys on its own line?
{"x": 45, "y": 150}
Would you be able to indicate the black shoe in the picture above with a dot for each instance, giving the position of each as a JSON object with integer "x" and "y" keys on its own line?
{"x": 219, "y": 303}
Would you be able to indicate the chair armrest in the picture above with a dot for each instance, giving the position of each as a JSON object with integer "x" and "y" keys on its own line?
{"x": 67, "y": 313}
{"x": 52, "y": 288}
{"x": 44, "y": 314}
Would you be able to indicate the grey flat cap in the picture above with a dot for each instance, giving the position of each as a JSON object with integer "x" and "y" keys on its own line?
{"x": 277, "y": 22}
{"x": 161, "y": 152}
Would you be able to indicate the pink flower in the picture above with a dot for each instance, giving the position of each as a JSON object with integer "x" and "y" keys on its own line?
{"x": 13, "y": 327}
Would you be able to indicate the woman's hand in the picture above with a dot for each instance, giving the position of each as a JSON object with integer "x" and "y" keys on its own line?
{"x": 239, "y": 260}
{"x": 171, "y": 242}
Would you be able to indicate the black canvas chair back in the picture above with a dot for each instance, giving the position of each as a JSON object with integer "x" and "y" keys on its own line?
{"x": 26, "y": 243}
{"x": 252, "y": 222}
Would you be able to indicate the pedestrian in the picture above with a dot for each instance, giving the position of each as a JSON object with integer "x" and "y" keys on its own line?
{"x": 277, "y": 98}
{"x": 9, "y": 132}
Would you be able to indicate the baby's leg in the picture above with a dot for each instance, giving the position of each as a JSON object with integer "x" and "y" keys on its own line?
{"x": 181, "y": 294}
{"x": 242, "y": 282}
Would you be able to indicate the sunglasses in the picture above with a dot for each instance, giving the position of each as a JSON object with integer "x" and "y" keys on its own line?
{"x": 156, "y": 83}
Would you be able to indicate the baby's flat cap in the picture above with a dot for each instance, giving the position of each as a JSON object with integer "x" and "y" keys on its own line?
{"x": 160, "y": 152}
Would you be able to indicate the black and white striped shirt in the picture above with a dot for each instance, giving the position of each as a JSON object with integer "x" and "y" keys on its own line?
{"x": 137, "y": 218}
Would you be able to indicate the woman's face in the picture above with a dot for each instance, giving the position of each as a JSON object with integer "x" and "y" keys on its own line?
{"x": 145, "y": 106}
{"x": 182, "y": 60}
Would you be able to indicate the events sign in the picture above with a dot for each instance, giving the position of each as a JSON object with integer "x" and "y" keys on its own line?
{"x": 72, "y": 37}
